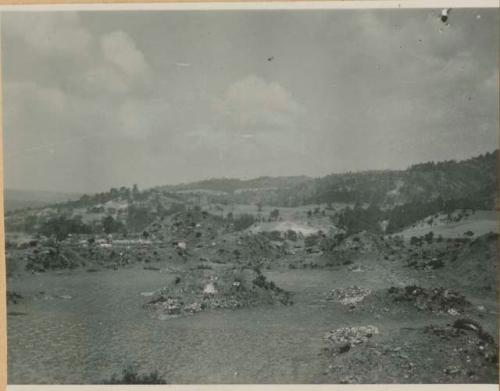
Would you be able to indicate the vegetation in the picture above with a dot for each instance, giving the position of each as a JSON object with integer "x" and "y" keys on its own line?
{"x": 110, "y": 225}
{"x": 60, "y": 227}
{"x": 243, "y": 221}
{"x": 131, "y": 376}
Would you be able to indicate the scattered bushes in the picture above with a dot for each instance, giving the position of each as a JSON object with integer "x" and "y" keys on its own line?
{"x": 13, "y": 297}
{"x": 243, "y": 221}
{"x": 311, "y": 240}
{"x": 62, "y": 226}
{"x": 436, "y": 299}
{"x": 131, "y": 376}
{"x": 291, "y": 235}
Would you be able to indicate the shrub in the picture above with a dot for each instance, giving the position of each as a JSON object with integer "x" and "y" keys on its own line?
{"x": 130, "y": 376}
{"x": 62, "y": 226}
{"x": 275, "y": 213}
{"x": 243, "y": 221}
{"x": 291, "y": 235}
{"x": 274, "y": 236}
{"x": 311, "y": 240}
{"x": 429, "y": 236}
{"x": 414, "y": 240}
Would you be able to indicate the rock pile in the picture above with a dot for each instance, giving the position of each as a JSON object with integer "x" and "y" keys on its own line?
{"x": 435, "y": 300}
{"x": 223, "y": 288}
{"x": 341, "y": 340}
{"x": 475, "y": 341}
{"x": 349, "y": 296}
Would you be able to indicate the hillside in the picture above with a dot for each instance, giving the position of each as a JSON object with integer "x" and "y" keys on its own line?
{"x": 364, "y": 270}
{"x": 231, "y": 185}
{"x": 472, "y": 179}
{"x": 377, "y": 201}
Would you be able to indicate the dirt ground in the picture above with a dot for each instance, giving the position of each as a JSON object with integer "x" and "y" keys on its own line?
{"x": 371, "y": 309}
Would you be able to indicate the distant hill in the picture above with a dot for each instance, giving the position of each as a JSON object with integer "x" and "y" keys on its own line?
{"x": 396, "y": 198}
{"x": 473, "y": 178}
{"x": 231, "y": 185}
{"x": 20, "y": 199}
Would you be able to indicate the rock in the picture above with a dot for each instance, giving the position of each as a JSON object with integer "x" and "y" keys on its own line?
{"x": 350, "y": 295}
{"x": 344, "y": 348}
{"x": 452, "y": 370}
{"x": 210, "y": 289}
{"x": 436, "y": 299}
{"x": 339, "y": 338}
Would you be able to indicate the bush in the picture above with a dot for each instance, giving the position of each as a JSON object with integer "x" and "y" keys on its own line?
{"x": 414, "y": 241}
{"x": 275, "y": 213}
{"x": 111, "y": 225}
{"x": 274, "y": 236}
{"x": 291, "y": 235}
{"x": 311, "y": 240}
{"x": 62, "y": 226}
{"x": 429, "y": 236}
{"x": 130, "y": 376}
{"x": 243, "y": 221}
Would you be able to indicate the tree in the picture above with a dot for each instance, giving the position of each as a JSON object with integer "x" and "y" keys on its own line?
{"x": 243, "y": 221}
{"x": 275, "y": 213}
{"x": 135, "y": 192}
{"x": 30, "y": 222}
{"x": 138, "y": 218}
{"x": 110, "y": 225}
{"x": 62, "y": 226}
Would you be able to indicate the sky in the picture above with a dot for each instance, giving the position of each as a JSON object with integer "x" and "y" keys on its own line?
{"x": 101, "y": 99}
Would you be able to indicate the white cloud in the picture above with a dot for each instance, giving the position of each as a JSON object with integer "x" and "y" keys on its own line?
{"x": 252, "y": 118}
{"x": 49, "y": 33}
{"x": 119, "y": 49}
{"x": 110, "y": 63}
{"x": 252, "y": 105}
{"x": 103, "y": 79}
{"x": 138, "y": 119}
{"x": 30, "y": 95}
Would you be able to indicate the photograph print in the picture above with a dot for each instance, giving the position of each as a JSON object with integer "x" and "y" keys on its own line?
{"x": 251, "y": 196}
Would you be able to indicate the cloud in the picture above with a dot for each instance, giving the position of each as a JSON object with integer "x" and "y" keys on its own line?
{"x": 119, "y": 49}
{"x": 98, "y": 92}
{"x": 252, "y": 105}
{"x": 253, "y": 118}
{"x": 50, "y": 33}
{"x": 96, "y": 64}
{"x": 102, "y": 79}
{"x": 119, "y": 67}
{"x": 138, "y": 119}
{"x": 30, "y": 94}
{"x": 357, "y": 90}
